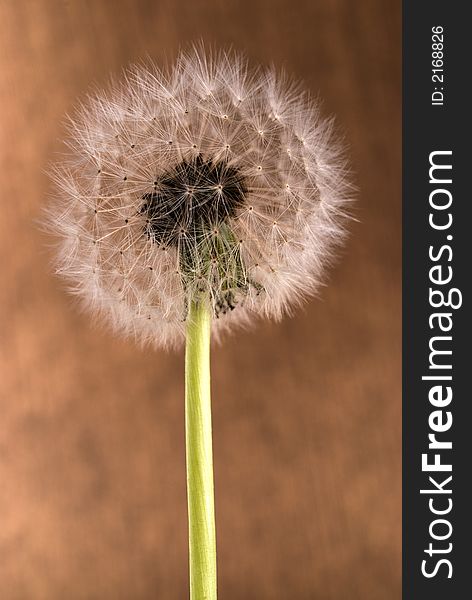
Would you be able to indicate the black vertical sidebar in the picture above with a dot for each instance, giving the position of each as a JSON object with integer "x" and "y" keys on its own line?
{"x": 437, "y": 234}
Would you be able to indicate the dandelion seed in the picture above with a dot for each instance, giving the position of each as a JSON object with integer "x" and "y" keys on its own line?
{"x": 243, "y": 149}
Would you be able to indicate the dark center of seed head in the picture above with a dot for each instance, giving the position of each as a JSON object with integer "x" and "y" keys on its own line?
{"x": 192, "y": 199}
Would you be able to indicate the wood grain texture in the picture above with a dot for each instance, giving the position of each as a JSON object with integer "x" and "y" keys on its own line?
{"x": 306, "y": 412}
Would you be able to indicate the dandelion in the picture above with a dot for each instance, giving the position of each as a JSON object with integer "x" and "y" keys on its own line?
{"x": 193, "y": 200}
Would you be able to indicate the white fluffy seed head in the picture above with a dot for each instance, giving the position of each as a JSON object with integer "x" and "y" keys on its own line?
{"x": 206, "y": 182}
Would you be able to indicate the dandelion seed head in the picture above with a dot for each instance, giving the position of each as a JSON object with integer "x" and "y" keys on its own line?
{"x": 209, "y": 181}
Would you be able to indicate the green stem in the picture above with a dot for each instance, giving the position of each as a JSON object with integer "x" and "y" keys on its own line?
{"x": 200, "y": 494}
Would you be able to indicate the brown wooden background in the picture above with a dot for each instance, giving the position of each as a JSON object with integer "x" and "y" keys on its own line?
{"x": 306, "y": 413}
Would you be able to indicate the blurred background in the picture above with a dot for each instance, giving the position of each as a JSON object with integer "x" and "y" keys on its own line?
{"x": 306, "y": 413}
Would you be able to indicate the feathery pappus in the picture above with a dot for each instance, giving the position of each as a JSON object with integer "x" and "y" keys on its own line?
{"x": 207, "y": 181}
